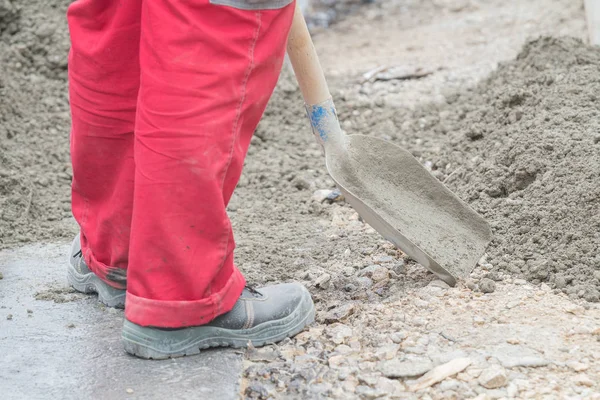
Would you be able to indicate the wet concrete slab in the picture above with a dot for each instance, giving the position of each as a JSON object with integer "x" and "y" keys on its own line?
{"x": 58, "y": 344}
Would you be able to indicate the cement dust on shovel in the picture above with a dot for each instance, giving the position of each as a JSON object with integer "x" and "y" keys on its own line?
{"x": 385, "y": 184}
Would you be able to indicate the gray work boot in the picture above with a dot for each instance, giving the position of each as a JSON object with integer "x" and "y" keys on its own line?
{"x": 85, "y": 281}
{"x": 260, "y": 316}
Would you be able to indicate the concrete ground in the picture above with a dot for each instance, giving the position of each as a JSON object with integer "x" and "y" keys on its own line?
{"x": 58, "y": 344}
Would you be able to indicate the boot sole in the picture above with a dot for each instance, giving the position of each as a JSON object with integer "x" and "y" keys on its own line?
{"x": 156, "y": 344}
{"x": 91, "y": 284}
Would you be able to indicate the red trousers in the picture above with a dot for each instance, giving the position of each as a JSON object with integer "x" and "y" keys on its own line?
{"x": 165, "y": 96}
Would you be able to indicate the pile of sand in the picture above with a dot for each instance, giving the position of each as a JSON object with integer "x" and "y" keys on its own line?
{"x": 34, "y": 123}
{"x": 523, "y": 148}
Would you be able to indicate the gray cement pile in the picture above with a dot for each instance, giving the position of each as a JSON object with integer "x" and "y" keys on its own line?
{"x": 523, "y": 148}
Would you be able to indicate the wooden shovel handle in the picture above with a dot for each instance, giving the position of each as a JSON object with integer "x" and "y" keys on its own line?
{"x": 305, "y": 62}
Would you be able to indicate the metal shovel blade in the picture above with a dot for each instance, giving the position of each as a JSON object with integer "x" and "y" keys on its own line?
{"x": 385, "y": 184}
{"x": 408, "y": 206}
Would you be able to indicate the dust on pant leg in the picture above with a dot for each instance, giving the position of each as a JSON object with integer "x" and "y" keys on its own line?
{"x": 117, "y": 275}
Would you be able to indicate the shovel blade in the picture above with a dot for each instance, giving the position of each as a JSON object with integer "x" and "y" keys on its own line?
{"x": 408, "y": 206}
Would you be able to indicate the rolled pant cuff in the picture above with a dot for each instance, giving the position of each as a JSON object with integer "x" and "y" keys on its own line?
{"x": 179, "y": 314}
{"x": 105, "y": 272}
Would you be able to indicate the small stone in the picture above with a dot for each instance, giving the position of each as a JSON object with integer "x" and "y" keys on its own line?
{"x": 527, "y": 361}
{"x": 386, "y": 352}
{"x": 513, "y": 341}
{"x": 415, "y": 350}
{"x": 398, "y": 268}
{"x": 443, "y": 358}
{"x": 320, "y": 388}
{"x": 493, "y": 377}
{"x": 512, "y": 304}
{"x": 307, "y": 359}
{"x": 289, "y": 352}
{"x": 312, "y": 334}
{"x": 368, "y": 379}
{"x": 45, "y": 30}
{"x": 321, "y": 195}
{"x": 344, "y": 372}
{"x": 368, "y": 271}
{"x": 487, "y": 285}
{"x": 474, "y": 372}
{"x": 512, "y": 390}
{"x": 383, "y": 259}
{"x": 448, "y": 337}
{"x": 335, "y": 196}
{"x": 450, "y": 384}
{"x": 470, "y": 283}
{"x": 398, "y": 337}
{"x": 545, "y": 287}
{"x": 495, "y": 276}
{"x": 495, "y": 394}
{"x": 348, "y": 271}
{"x": 575, "y": 309}
{"x": 255, "y": 390}
{"x": 71, "y": 325}
{"x": 439, "y": 283}
{"x": 29, "y": 311}
{"x": 420, "y": 303}
{"x": 304, "y": 275}
{"x": 520, "y": 281}
{"x": 9, "y": 317}
{"x": 339, "y": 313}
{"x": 522, "y": 384}
{"x": 339, "y": 333}
{"x": 560, "y": 282}
{"x": 404, "y": 369}
{"x": 343, "y": 349}
{"x": 315, "y": 348}
{"x": 391, "y": 387}
{"x": 463, "y": 376}
{"x": 337, "y": 360}
{"x": 1, "y": 276}
{"x": 477, "y": 320}
{"x": 583, "y": 380}
{"x": 323, "y": 281}
{"x": 366, "y": 392}
{"x": 441, "y": 372}
{"x": 354, "y": 345}
{"x": 580, "y": 330}
{"x": 264, "y": 354}
{"x": 350, "y": 384}
{"x": 379, "y": 274}
{"x": 367, "y": 251}
{"x": 577, "y": 366}
{"x": 129, "y": 390}
{"x": 364, "y": 282}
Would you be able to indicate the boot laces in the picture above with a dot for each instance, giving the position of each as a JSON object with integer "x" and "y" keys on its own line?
{"x": 252, "y": 289}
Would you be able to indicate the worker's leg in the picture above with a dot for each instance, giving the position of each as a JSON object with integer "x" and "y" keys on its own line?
{"x": 103, "y": 86}
{"x": 207, "y": 72}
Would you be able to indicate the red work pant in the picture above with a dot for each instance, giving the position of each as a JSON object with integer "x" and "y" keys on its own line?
{"x": 165, "y": 96}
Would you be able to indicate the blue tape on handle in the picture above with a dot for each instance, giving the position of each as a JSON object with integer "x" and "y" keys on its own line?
{"x": 323, "y": 119}
{"x": 317, "y": 116}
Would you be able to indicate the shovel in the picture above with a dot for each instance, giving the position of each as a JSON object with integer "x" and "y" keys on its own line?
{"x": 385, "y": 184}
